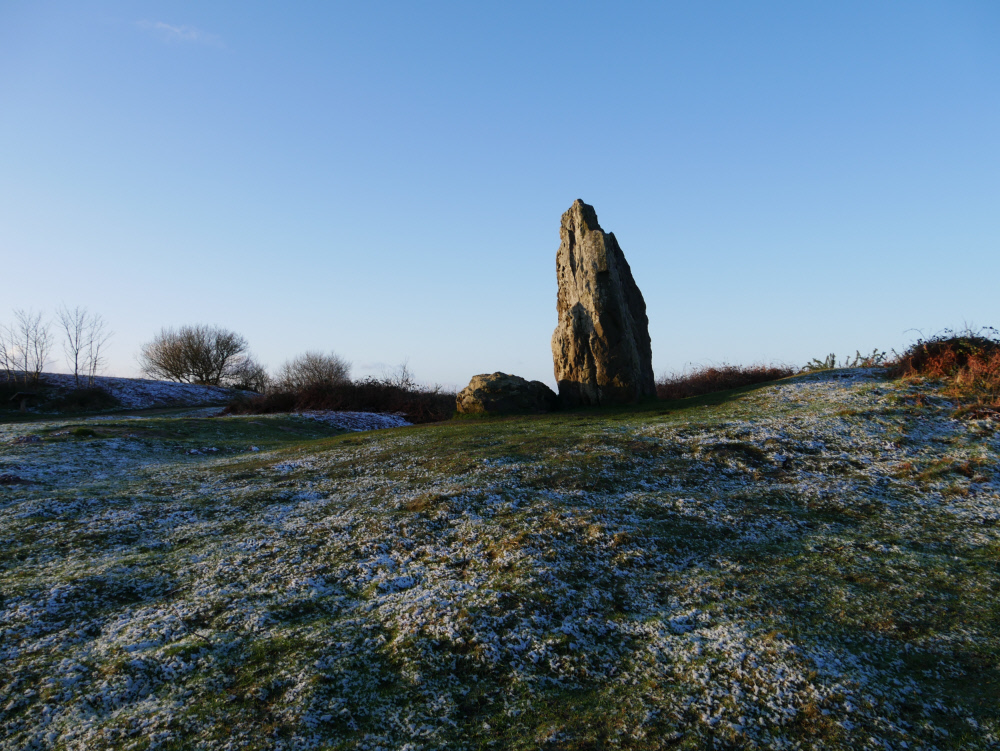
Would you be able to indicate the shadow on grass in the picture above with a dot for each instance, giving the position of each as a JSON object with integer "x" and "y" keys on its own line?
{"x": 648, "y": 406}
{"x": 14, "y": 417}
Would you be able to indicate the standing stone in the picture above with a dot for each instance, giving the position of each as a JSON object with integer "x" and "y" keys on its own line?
{"x": 600, "y": 348}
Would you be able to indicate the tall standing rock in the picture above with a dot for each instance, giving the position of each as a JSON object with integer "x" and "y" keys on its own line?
{"x": 600, "y": 348}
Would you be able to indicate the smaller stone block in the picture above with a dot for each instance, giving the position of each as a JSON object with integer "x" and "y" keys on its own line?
{"x": 499, "y": 393}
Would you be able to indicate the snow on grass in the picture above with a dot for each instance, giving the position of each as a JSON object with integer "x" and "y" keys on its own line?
{"x": 812, "y": 565}
{"x": 357, "y": 420}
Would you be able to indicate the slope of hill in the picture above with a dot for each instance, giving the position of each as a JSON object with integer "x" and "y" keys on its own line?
{"x": 142, "y": 393}
{"x": 811, "y": 564}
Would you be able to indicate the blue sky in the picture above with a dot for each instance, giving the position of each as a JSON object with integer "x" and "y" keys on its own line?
{"x": 386, "y": 179}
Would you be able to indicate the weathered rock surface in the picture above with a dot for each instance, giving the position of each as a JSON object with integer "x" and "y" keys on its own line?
{"x": 498, "y": 393}
{"x": 600, "y": 348}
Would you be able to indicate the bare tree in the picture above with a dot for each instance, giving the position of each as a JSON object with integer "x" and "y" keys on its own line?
{"x": 7, "y": 352}
{"x": 312, "y": 369}
{"x": 74, "y": 327}
{"x": 98, "y": 335}
{"x": 249, "y": 375}
{"x": 29, "y": 342}
{"x": 401, "y": 376}
{"x": 164, "y": 357}
{"x": 194, "y": 354}
{"x": 85, "y": 335}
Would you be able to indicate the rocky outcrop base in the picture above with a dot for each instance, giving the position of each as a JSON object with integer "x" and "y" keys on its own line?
{"x": 499, "y": 393}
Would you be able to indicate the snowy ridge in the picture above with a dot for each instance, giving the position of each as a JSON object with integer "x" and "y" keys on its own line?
{"x": 140, "y": 393}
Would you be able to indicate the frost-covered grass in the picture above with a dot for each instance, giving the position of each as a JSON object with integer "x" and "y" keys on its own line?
{"x": 812, "y": 564}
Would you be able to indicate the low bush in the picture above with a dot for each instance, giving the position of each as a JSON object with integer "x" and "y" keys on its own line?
{"x": 946, "y": 354}
{"x": 83, "y": 400}
{"x": 714, "y": 378}
{"x": 384, "y": 395}
{"x": 968, "y": 361}
{"x": 312, "y": 369}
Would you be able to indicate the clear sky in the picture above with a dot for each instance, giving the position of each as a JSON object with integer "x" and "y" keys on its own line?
{"x": 385, "y": 180}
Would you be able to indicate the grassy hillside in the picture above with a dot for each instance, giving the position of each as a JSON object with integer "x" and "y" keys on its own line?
{"x": 811, "y": 562}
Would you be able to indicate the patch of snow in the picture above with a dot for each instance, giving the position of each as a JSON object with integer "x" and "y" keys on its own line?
{"x": 357, "y": 420}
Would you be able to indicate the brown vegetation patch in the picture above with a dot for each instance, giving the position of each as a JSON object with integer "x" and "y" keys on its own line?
{"x": 427, "y": 502}
{"x": 968, "y": 362}
{"x": 717, "y": 378}
{"x": 417, "y": 404}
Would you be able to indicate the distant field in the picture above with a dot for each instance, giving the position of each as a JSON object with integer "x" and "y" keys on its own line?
{"x": 813, "y": 563}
